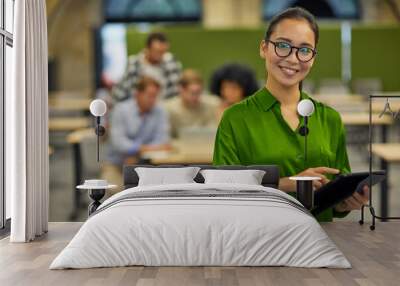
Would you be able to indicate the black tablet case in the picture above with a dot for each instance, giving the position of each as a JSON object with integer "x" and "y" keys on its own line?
{"x": 342, "y": 187}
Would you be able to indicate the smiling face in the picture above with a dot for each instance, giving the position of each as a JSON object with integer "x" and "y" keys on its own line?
{"x": 288, "y": 71}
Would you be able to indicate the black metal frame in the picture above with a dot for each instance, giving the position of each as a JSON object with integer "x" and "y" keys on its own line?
{"x": 383, "y": 217}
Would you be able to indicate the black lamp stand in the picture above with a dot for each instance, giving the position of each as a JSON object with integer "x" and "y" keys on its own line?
{"x": 304, "y": 191}
{"x": 100, "y": 131}
{"x": 304, "y": 132}
{"x": 96, "y": 195}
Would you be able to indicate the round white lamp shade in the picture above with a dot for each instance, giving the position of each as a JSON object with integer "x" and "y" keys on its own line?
{"x": 98, "y": 107}
{"x": 305, "y": 107}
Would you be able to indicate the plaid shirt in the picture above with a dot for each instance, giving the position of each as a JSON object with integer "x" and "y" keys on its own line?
{"x": 169, "y": 67}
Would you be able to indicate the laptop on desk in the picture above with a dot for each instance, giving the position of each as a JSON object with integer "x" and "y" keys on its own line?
{"x": 196, "y": 139}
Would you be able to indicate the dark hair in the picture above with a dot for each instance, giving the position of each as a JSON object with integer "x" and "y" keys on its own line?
{"x": 156, "y": 36}
{"x": 240, "y": 74}
{"x": 144, "y": 82}
{"x": 294, "y": 13}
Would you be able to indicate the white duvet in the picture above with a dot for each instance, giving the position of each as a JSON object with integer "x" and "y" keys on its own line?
{"x": 200, "y": 231}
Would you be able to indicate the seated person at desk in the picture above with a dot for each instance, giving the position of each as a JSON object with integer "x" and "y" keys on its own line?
{"x": 264, "y": 128}
{"x": 154, "y": 61}
{"x": 192, "y": 108}
{"x": 137, "y": 125}
{"x": 232, "y": 82}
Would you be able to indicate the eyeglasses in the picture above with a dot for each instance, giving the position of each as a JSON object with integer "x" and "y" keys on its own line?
{"x": 284, "y": 49}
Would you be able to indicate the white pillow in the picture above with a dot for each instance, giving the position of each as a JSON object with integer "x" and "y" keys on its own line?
{"x": 165, "y": 176}
{"x": 248, "y": 177}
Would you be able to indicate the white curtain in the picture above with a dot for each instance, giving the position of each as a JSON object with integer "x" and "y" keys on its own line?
{"x": 27, "y": 163}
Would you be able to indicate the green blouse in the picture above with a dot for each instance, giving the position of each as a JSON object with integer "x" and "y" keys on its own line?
{"x": 254, "y": 132}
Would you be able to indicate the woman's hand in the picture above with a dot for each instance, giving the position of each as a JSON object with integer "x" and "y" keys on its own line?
{"x": 290, "y": 186}
{"x": 355, "y": 202}
{"x": 318, "y": 172}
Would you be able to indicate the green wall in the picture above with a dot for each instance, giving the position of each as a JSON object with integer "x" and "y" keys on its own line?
{"x": 375, "y": 50}
{"x": 376, "y": 54}
{"x": 206, "y": 50}
{"x": 328, "y": 62}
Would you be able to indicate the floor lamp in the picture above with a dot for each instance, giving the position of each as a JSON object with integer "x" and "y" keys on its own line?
{"x": 98, "y": 108}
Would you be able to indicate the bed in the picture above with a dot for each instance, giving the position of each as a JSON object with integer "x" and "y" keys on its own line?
{"x": 201, "y": 224}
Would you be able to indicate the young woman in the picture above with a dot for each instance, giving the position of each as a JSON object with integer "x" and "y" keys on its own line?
{"x": 264, "y": 128}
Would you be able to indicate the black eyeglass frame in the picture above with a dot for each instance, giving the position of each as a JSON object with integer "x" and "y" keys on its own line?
{"x": 314, "y": 52}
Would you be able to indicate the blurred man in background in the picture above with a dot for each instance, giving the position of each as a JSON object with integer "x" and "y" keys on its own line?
{"x": 192, "y": 108}
{"x": 138, "y": 125}
{"x": 154, "y": 61}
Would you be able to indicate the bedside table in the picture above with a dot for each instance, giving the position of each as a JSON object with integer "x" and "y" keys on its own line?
{"x": 96, "y": 193}
{"x": 304, "y": 190}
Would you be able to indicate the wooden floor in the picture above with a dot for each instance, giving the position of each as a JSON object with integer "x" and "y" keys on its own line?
{"x": 375, "y": 256}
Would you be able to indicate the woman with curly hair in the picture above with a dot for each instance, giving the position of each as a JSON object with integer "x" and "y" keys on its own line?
{"x": 232, "y": 82}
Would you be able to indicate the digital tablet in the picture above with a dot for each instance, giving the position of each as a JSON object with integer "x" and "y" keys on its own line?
{"x": 342, "y": 187}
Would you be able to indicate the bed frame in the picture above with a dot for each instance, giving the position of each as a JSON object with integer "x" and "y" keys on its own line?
{"x": 270, "y": 179}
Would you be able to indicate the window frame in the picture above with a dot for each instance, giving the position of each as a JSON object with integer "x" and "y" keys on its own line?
{"x": 331, "y": 3}
{"x": 6, "y": 39}
{"x": 152, "y": 19}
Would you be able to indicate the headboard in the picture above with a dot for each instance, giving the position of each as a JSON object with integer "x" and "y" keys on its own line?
{"x": 270, "y": 179}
